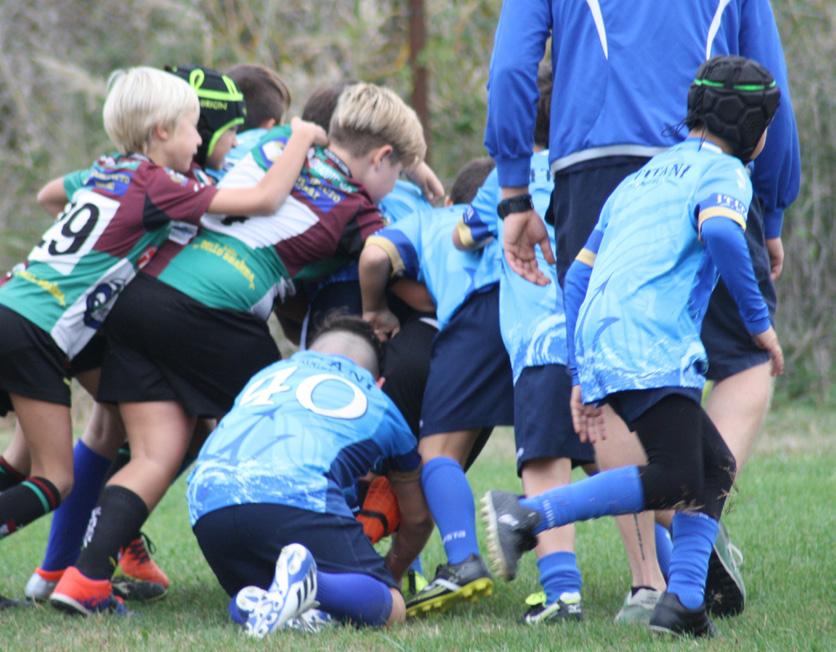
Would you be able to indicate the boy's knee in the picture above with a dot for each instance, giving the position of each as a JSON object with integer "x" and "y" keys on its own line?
{"x": 398, "y": 613}
{"x": 665, "y": 488}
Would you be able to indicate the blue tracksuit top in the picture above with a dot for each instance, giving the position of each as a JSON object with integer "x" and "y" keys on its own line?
{"x": 621, "y": 72}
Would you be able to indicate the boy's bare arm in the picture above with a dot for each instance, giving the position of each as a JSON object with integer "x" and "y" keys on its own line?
{"x": 416, "y": 522}
{"x": 374, "y": 270}
{"x": 271, "y": 192}
{"x": 414, "y": 294}
{"x": 52, "y": 197}
{"x": 423, "y": 176}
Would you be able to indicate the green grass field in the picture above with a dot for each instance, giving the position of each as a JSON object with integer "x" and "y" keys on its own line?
{"x": 781, "y": 516}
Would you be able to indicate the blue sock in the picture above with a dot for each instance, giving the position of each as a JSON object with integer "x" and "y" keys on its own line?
{"x": 664, "y": 546}
{"x": 608, "y": 493}
{"x": 451, "y": 503}
{"x": 360, "y": 599}
{"x": 693, "y": 539}
{"x": 70, "y": 520}
{"x": 559, "y": 574}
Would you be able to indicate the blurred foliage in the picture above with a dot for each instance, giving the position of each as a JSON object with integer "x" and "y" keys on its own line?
{"x": 55, "y": 58}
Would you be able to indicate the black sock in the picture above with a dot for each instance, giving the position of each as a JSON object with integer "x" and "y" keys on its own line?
{"x": 26, "y": 502}
{"x": 123, "y": 456}
{"x": 113, "y": 523}
{"x": 636, "y": 589}
{"x": 9, "y": 475}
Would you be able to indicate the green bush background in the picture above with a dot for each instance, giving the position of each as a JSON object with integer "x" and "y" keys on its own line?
{"x": 55, "y": 59}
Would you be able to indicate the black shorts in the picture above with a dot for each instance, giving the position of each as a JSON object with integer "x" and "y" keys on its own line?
{"x": 728, "y": 344}
{"x": 470, "y": 384}
{"x": 91, "y": 356}
{"x": 243, "y": 542}
{"x": 31, "y": 363}
{"x": 406, "y": 366}
{"x": 632, "y": 404}
{"x": 542, "y": 418}
{"x": 165, "y": 346}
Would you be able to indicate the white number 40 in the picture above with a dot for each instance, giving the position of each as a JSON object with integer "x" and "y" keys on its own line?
{"x": 262, "y": 392}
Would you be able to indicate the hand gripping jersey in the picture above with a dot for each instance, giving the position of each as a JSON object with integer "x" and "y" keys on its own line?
{"x": 420, "y": 247}
{"x": 639, "y": 325}
{"x": 531, "y": 317}
{"x": 300, "y": 433}
{"x": 112, "y": 226}
{"x": 245, "y": 263}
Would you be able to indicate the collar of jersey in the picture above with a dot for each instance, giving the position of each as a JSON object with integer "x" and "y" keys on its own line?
{"x": 341, "y": 165}
{"x": 701, "y": 143}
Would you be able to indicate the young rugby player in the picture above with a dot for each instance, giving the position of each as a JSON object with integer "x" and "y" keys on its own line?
{"x": 275, "y": 473}
{"x": 208, "y": 334}
{"x": 532, "y": 323}
{"x": 635, "y": 298}
{"x": 463, "y": 286}
{"x": 52, "y": 306}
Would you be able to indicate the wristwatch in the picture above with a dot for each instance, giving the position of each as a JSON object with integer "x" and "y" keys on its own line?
{"x": 517, "y": 204}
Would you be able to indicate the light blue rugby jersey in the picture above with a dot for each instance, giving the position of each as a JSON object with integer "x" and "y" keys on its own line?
{"x": 639, "y": 325}
{"x": 531, "y": 317}
{"x": 420, "y": 246}
{"x": 300, "y": 433}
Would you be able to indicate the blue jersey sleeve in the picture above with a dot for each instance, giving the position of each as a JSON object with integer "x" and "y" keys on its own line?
{"x": 728, "y": 250}
{"x": 402, "y": 243}
{"x": 479, "y": 221}
{"x": 777, "y": 171}
{"x": 405, "y": 199}
{"x": 576, "y": 284}
{"x": 521, "y": 34}
{"x": 724, "y": 191}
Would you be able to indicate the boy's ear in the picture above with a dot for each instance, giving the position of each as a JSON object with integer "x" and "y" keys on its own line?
{"x": 381, "y": 153}
{"x": 161, "y": 132}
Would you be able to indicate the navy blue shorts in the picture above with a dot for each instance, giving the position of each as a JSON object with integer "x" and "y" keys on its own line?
{"x": 542, "y": 418}
{"x": 728, "y": 344}
{"x": 579, "y": 194}
{"x": 470, "y": 384}
{"x": 631, "y": 404}
{"x": 243, "y": 542}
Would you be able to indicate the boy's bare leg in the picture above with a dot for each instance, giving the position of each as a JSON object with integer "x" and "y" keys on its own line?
{"x": 456, "y": 445}
{"x": 158, "y": 433}
{"x": 17, "y": 452}
{"x": 738, "y": 405}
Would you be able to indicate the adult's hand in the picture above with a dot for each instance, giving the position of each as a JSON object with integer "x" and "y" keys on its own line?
{"x": 521, "y": 233}
{"x": 776, "y": 257}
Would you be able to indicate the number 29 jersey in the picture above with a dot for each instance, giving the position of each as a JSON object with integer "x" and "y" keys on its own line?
{"x": 112, "y": 226}
{"x": 300, "y": 433}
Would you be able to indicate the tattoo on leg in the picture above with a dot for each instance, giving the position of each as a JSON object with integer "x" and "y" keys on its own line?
{"x": 639, "y": 536}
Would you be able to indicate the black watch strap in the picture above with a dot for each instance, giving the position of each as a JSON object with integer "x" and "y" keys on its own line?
{"x": 518, "y": 204}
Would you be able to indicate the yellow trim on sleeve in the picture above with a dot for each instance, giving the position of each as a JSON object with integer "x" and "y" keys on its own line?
{"x": 465, "y": 235}
{"x": 721, "y": 211}
{"x": 586, "y": 257}
{"x": 391, "y": 251}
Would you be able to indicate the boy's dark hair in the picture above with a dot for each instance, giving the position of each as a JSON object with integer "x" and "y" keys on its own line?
{"x": 339, "y": 319}
{"x": 469, "y": 179}
{"x": 544, "y": 105}
{"x": 221, "y": 105}
{"x": 321, "y": 103}
{"x": 734, "y": 98}
{"x": 266, "y": 95}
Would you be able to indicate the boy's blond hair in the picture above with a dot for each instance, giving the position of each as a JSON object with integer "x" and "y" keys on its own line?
{"x": 368, "y": 116}
{"x": 141, "y": 98}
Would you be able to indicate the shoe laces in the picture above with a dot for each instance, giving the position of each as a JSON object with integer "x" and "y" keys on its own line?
{"x": 142, "y": 548}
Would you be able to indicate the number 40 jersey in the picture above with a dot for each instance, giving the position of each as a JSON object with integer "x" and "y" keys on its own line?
{"x": 300, "y": 433}
{"x": 112, "y": 226}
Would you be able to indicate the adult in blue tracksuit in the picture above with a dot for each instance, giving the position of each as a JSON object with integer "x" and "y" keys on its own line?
{"x": 621, "y": 71}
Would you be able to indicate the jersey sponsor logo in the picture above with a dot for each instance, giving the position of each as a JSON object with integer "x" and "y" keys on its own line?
{"x": 146, "y": 257}
{"x": 51, "y": 288}
{"x": 229, "y": 256}
{"x": 100, "y": 300}
{"x": 729, "y": 202}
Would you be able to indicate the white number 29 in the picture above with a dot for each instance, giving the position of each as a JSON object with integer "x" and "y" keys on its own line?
{"x": 262, "y": 392}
